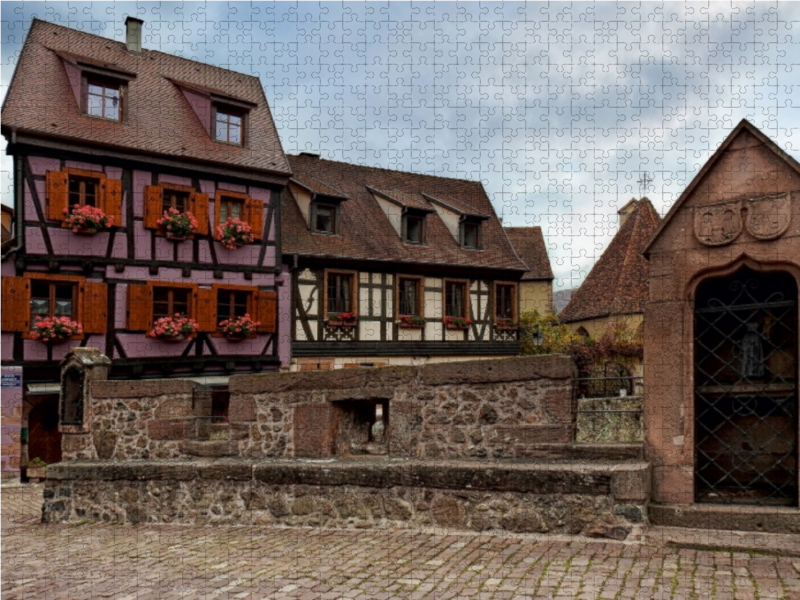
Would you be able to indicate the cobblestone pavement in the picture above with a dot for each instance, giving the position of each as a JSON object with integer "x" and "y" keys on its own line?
{"x": 143, "y": 562}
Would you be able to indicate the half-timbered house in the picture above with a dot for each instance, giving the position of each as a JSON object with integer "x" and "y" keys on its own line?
{"x": 101, "y": 127}
{"x": 395, "y": 268}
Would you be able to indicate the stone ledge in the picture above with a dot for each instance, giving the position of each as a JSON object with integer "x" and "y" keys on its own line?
{"x": 625, "y": 481}
{"x": 770, "y": 519}
{"x": 143, "y": 388}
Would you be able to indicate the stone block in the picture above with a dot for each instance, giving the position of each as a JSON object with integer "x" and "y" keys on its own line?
{"x": 528, "y": 435}
{"x": 226, "y": 470}
{"x": 142, "y": 389}
{"x": 673, "y": 484}
{"x": 404, "y": 426}
{"x": 76, "y": 442}
{"x": 631, "y": 482}
{"x": 241, "y": 408}
{"x": 175, "y": 407}
{"x": 105, "y": 442}
{"x": 340, "y": 379}
{"x": 314, "y": 428}
{"x": 208, "y": 448}
{"x": 170, "y": 429}
{"x": 449, "y": 512}
{"x": 498, "y": 370}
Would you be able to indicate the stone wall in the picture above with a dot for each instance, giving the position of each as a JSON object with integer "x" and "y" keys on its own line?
{"x": 598, "y": 499}
{"x": 496, "y": 408}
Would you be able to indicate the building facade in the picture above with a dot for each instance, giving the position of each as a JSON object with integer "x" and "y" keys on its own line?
{"x": 149, "y": 141}
{"x": 395, "y": 268}
{"x": 721, "y": 332}
{"x": 536, "y": 285}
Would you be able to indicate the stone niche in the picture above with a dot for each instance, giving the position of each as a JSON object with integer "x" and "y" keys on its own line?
{"x": 362, "y": 427}
{"x": 79, "y": 369}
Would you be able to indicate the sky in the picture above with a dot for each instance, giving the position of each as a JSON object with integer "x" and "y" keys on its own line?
{"x": 557, "y": 108}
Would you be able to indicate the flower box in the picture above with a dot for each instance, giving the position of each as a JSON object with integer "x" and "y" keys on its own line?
{"x": 411, "y": 322}
{"x": 55, "y": 329}
{"x": 239, "y": 328}
{"x": 173, "y": 329}
{"x": 234, "y": 233}
{"x": 178, "y": 225}
{"x": 87, "y": 220}
{"x": 348, "y": 319}
{"x": 505, "y": 325}
{"x": 457, "y": 323}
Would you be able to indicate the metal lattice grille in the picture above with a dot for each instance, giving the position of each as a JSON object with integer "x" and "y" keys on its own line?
{"x": 746, "y": 389}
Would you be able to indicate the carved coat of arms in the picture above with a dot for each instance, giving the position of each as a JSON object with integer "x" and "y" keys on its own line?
{"x": 718, "y": 224}
{"x": 769, "y": 217}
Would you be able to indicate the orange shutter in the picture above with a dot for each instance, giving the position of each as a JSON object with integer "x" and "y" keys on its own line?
{"x": 267, "y": 311}
{"x": 207, "y": 309}
{"x": 57, "y": 191}
{"x": 112, "y": 199}
{"x": 255, "y": 217}
{"x": 200, "y": 206}
{"x": 16, "y": 298}
{"x": 140, "y": 308}
{"x": 152, "y": 206}
{"x": 95, "y": 307}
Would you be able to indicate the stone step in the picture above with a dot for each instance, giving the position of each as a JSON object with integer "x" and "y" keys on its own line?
{"x": 734, "y": 541}
{"x": 721, "y": 517}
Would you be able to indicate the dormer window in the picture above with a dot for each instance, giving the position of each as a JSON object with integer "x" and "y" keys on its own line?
{"x": 229, "y": 125}
{"x": 470, "y": 234}
{"x": 103, "y": 98}
{"x": 324, "y": 218}
{"x": 414, "y": 228}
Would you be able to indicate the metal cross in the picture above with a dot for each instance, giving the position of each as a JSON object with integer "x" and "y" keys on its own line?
{"x": 644, "y": 183}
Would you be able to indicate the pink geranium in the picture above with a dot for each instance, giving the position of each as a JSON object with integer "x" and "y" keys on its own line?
{"x": 178, "y": 223}
{"x": 239, "y": 326}
{"x": 170, "y": 328}
{"x": 87, "y": 217}
{"x": 55, "y": 328}
{"x": 234, "y": 233}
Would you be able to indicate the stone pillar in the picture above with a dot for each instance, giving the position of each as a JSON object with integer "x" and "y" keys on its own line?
{"x": 79, "y": 369}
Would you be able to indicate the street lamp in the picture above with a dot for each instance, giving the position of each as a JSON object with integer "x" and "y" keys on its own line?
{"x": 537, "y": 337}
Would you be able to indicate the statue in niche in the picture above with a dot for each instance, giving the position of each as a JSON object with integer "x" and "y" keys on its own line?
{"x": 751, "y": 359}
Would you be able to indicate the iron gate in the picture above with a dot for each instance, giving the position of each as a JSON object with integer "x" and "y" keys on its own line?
{"x": 746, "y": 389}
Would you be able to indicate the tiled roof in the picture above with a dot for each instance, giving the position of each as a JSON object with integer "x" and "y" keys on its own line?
{"x": 408, "y": 200}
{"x": 317, "y": 187}
{"x": 617, "y": 284}
{"x": 159, "y": 118}
{"x": 367, "y": 233}
{"x": 530, "y": 247}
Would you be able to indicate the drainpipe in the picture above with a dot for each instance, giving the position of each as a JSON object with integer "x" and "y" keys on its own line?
{"x": 19, "y": 209}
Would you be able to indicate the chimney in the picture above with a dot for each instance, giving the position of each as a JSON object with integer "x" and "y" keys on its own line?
{"x": 133, "y": 34}
{"x": 626, "y": 211}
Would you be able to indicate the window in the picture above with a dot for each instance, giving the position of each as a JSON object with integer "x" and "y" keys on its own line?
{"x": 167, "y": 302}
{"x": 340, "y": 293}
{"x": 231, "y": 304}
{"x": 230, "y": 207}
{"x": 455, "y": 299}
{"x": 324, "y": 218}
{"x": 408, "y": 302}
{"x": 177, "y": 199}
{"x": 505, "y": 301}
{"x": 53, "y": 299}
{"x": 229, "y": 125}
{"x": 470, "y": 234}
{"x": 414, "y": 226}
{"x": 84, "y": 191}
{"x": 104, "y": 99}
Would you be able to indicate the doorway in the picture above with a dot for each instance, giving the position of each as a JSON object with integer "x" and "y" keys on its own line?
{"x": 745, "y": 353}
{"x": 44, "y": 438}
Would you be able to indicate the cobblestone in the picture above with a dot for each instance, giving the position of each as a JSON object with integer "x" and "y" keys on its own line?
{"x": 121, "y": 561}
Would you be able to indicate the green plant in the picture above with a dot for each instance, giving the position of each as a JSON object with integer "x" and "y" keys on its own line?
{"x": 36, "y": 463}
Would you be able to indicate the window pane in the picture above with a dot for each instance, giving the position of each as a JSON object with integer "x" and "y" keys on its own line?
{"x": 112, "y": 109}
{"x": 63, "y": 308}
{"x": 325, "y": 219}
{"x": 414, "y": 230}
{"x": 236, "y": 210}
{"x": 222, "y": 130}
{"x": 96, "y": 90}
{"x": 408, "y": 297}
{"x": 180, "y": 303}
{"x": 64, "y": 292}
{"x": 235, "y": 134}
{"x": 470, "y": 235}
{"x": 94, "y": 105}
{"x": 223, "y": 306}
{"x": 235, "y": 120}
{"x": 240, "y": 303}
{"x": 40, "y": 307}
{"x": 455, "y": 300}
{"x": 113, "y": 93}
{"x": 223, "y": 211}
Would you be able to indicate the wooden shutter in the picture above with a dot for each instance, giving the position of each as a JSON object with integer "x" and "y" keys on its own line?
{"x": 16, "y": 299}
{"x": 152, "y": 206}
{"x": 112, "y": 199}
{"x": 140, "y": 308}
{"x": 57, "y": 192}
{"x": 200, "y": 209}
{"x": 94, "y": 300}
{"x": 207, "y": 309}
{"x": 255, "y": 217}
{"x": 267, "y": 311}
